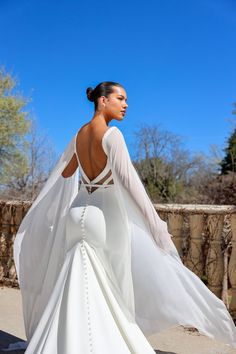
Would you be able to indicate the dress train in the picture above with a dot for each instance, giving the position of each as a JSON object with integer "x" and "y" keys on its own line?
{"x": 98, "y": 269}
{"x": 83, "y": 316}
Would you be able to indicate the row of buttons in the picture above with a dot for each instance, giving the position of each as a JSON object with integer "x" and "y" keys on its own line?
{"x": 84, "y": 259}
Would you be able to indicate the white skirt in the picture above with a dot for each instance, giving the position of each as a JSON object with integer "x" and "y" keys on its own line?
{"x": 107, "y": 301}
{"x": 84, "y": 314}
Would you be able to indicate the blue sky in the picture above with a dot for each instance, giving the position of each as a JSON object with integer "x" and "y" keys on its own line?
{"x": 176, "y": 60}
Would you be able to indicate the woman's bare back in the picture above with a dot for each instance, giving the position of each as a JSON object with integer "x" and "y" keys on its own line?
{"x": 89, "y": 150}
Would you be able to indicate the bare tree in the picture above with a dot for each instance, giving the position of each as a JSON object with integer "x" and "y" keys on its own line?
{"x": 164, "y": 166}
{"x": 41, "y": 158}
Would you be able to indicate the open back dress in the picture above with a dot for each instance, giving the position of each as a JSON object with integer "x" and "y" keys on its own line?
{"x": 97, "y": 268}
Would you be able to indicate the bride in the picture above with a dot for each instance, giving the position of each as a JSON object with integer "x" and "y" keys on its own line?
{"x": 97, "y": 268}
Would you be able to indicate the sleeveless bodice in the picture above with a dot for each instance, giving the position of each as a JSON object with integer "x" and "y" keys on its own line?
{"x": 103, "y": 179}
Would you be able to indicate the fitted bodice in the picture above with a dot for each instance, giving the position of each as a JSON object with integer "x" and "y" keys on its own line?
{"x": 103, "y": 179}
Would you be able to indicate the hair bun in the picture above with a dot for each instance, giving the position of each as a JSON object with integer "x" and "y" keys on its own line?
{"x": 89, "y": 93}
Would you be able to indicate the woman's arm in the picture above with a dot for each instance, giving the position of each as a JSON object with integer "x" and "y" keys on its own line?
{"x": 128, "y": 178}
{"x": 70, "y": 168}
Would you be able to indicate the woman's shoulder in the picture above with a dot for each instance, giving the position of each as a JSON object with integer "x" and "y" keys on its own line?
{"x": 114, "y": 130}
{"x": 112, "y": 133}
{"x": 112, "y": 138}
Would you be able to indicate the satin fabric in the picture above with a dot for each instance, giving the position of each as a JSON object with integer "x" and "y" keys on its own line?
{"x": 147, "y": 281}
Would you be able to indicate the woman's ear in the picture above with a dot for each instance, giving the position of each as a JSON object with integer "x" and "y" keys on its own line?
{"x": 102, "y": 100}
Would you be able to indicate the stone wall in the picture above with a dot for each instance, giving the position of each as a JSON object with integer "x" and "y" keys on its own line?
{"x": 205, "y": 236}
{"x": 11, "y": 214}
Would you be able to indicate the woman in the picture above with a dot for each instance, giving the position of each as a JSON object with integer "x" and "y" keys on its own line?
{"x": 97, "y": 268}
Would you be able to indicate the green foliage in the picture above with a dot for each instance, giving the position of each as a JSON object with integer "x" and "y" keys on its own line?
{"x": 228, "y": 164}
{"x": 14, "y": 125}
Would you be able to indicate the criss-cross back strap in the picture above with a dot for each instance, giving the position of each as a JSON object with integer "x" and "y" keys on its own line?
{"x": 105, "y": 181}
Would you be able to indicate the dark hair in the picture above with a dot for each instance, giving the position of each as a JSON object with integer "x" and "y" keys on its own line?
{"x": 103, "y": 89}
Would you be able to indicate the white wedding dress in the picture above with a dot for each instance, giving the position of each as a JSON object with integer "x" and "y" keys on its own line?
{"x": 98, "y": 270}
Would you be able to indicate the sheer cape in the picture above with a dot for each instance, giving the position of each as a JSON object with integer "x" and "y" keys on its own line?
{"x": 162, "y": 292}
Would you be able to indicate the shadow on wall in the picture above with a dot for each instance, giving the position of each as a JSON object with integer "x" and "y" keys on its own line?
{"x": 161, "y": 352}
{"x": 6, "y": 339}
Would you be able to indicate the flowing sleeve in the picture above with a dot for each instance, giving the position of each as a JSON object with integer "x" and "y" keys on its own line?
{"x": 138, "y": 205}
{"x": 166, "y": 292}
{"x": 39, "y": 246}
